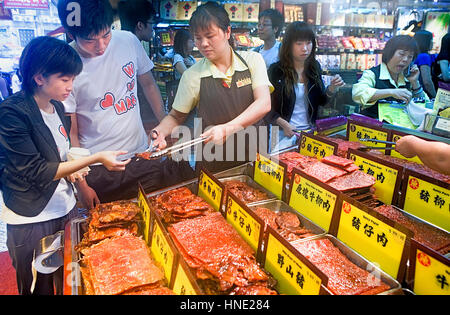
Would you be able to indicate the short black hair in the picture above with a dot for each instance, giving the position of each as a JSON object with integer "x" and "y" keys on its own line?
{"x": 207, "y": 13}
{"x": 423, "y": 39}
{"x": 404, "y": 42}
{"x": 276, "y": 17}
{"x": 47, "y": 56}
{"x": 133, "y": 11}
{"x": 95, "y": 16}
{"x": 180, "y": 40}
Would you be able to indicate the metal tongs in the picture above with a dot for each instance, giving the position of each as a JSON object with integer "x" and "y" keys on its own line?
{"x": 367, "y": 148}
{"x": 173, "y": 149}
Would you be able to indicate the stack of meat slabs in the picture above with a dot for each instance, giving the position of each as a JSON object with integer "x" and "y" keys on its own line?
{"x": 344, "y": 277}
{"x": 295, "y": 160}
{"x": 244, "y": 192}
{"x": 223, "y": 262}
{"x": 424, "y": 234}
{"x": 323, "y": 172}
{"x": 118, "y": 265}
{"x": 287, "y": 224}
{"x": 179, "y": 204}
{"x": 112, "y": 219}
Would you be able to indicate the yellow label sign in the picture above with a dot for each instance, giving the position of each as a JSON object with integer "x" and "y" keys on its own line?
{"x": 428, "y": 201}
{"x": 269, "y": 174}
{"x": 145, "y": 213}
{"x": 165, "y": 38}
{"x": 243, "y": 222}
{"x": 162, "y": 252}
{"x": 293, "y": 276}
{"x": 394, "y": 153}
{"x": 431, "y": 276}
{"x": 182, "y": 285}
{"x": 442, "y": 99}
{"x": 315, "y": 148}
{"x": 209, "y": 190}
{"x": 357, "y": 132}
{"x": 312, "y": 201}
{"x": 375, "y": 240}
{"x": 386, "y": 177}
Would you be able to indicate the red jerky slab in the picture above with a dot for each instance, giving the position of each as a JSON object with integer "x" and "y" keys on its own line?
{"x": 344, "y": 277}
{"x": 323, "y": 172}
{"x": 119, "y": 264}
{"x": 335, "y": 160}
{"x": 354, "y": 180}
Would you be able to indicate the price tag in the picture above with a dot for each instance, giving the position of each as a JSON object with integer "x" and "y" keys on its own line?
{"x": 243, "y": 40}
{"x": 245, "y": 222}
{"x": 210, "y": 189}
{"x": 395, "y": 137}
{"x": 430, "y": 273}
{"x": 162, "y": 250}
{"x": 145, "y": 209}
{"x": 356, "y": 131}
{"x": 426, "y": 198}
{"x": 387, "y": 179}
{"x": 376, "y": 238}
{"x": 316, "y": 147}
{"x": 313, "y": 199}
{"x": 270, "y": 174}
{"x": 294, "y": 273}
{"x": 165, "y": 38}
{"x": 184, "y": 283}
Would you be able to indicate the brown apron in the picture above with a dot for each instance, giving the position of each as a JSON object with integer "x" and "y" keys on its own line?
{"x": 219, "y": 104}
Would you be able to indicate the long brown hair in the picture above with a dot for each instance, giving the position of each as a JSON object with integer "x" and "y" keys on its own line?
{"x": 294, "y": 32}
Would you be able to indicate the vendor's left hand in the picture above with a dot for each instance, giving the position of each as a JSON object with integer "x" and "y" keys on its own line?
{"x": 78, "y": 176}
{"x": 406, "y": 146}
{"x": 219, "y": 134}
{"x": 415, "y": 73}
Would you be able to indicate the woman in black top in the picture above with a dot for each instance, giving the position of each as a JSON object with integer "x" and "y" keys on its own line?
{"x": 299, "y": 88}
{"x": 37, "y": 198}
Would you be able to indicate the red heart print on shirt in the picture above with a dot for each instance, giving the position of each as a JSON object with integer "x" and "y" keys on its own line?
{"x": 130, "y": 85}
{"x": 107, "y": 101}
{"x": 62, "y": 130}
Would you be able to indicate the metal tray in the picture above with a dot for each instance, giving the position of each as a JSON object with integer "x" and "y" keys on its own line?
{"x": 245, "y": 169}
{"x": 278, "y": 205}
{"x": 76, "y": 228}
{"x": 354, "y": 257}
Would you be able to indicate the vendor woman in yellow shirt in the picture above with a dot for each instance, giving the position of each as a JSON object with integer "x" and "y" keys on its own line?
{"x": 230, "y": 89}
{"x": 390, "y": 80}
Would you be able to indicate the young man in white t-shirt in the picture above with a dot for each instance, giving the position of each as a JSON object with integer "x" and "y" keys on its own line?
{"x": 269, "y": 28}
{"x": 103, "y": 105}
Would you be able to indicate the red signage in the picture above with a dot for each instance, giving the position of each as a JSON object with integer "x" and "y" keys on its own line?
{"x": 26, "y": 4}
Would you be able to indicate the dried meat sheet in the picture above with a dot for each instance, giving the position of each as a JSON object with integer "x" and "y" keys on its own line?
{"x": 344, "y": 277}
{"x": 323, "y": 172}
{"x": 119, "y": 264}
{"x": 209, "y": 238}
{"x": 338, "y": 161}
{"x": 351, "y": 181}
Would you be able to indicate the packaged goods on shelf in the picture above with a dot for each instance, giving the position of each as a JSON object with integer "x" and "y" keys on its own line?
{"x": 235, "y": 11}
{"x": 185, "y": 9}
{"x": 250, "y": 12}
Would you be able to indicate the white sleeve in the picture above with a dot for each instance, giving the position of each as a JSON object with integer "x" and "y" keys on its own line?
{"x": 144, "y": 64}
{"x": 177, "y": 58}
